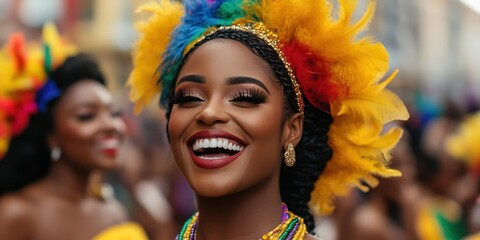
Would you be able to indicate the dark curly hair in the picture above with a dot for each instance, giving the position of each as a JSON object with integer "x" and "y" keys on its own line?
{"x": 28, "y": 157}
{"x": 313, "y": 152}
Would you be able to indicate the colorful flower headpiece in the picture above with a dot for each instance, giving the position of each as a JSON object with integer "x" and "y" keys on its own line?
{"x": 327, "y": 62}
{"x": 26, "y": 87}
{"x": 464, "y": 143}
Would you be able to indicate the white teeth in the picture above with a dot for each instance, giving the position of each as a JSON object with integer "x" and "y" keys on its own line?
{"x": 213, "y": 143}
{"x": 216, "y": 143}
{"x": 211, "y": 158}
{"x": 109, "y": 143}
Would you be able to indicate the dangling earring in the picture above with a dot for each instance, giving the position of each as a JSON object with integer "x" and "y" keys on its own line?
{"x": 289, "y": 155}
{"x": 55, "y": 154}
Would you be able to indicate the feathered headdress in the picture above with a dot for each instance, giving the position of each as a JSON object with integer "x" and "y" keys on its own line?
{"x": 464, "y": 143}
{"x": 334, "y": 69}
{"x": 24, "y": 80}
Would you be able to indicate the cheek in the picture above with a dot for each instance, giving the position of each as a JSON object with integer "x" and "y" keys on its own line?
{"x": 75, "y": 130}
{"x": 76, "y": 139}
{"x": 265, "y": 130}
{"x": 120, "y": 127}
{"x": 263, "y": 125}
{"x": 177, "y": 125}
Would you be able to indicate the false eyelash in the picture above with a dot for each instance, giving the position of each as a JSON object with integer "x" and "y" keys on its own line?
{"x": 255, "y": 96}
{"x": 84, "y": 117}
{"x": 116, "y": 113}
{"x": 183, "y": 96}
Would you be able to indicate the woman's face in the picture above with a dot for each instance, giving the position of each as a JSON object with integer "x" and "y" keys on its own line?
{"x": 88, "y": 129}
{"x": 226, "y": 126}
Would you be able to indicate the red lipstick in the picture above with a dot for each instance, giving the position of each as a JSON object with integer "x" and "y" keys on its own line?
{"x": 213, "y": 163}
{"x": 112, "y": 152}
{"x": 109, "y": 145}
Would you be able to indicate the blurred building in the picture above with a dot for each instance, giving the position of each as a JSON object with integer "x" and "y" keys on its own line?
{"x": 102, "y": 28}
{"x": 435, "y": 44}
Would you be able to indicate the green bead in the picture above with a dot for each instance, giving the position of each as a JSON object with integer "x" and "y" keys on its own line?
{"x": 184, "y": 228}
{"x": 288, "y": 229}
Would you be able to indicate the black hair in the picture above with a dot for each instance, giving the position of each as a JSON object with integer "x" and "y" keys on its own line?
{"x": 313, "y": 151}
{"x": 28, "y": 157}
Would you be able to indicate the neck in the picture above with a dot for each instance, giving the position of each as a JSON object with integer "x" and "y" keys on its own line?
{"x": 68, "y": 182}
{"x": 244, "y": 215}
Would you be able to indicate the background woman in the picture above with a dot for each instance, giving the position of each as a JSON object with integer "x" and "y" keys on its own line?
{"x": 247, "y": 83}
{"x": 75, "y": 133}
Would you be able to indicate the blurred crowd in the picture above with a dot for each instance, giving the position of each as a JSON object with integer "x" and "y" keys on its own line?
{"x": 437, "y": 196}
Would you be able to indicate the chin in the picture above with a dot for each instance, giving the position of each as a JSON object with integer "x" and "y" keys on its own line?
{"x": 212, "y": 193}
{"x": 107, "y": 165}
{"x": 214, "y": 187}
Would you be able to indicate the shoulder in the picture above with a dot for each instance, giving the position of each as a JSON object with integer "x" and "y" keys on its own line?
{"x": 16, "y": 218}
{"x": 312, "y": 237}
{"x": 113, "y": 209}
{"x": 117, "y": 209}
{"x": 15, "y": 207}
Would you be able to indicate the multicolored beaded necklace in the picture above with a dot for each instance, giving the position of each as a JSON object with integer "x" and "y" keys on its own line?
{"x": 291, "y": 228}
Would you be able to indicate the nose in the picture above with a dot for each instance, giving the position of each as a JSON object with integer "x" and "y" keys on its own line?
{"x": 112, "y": 124}
{"x": 213, "y": 113}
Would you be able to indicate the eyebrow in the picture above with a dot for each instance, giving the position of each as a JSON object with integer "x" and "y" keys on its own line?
{"x": 243, "y": 80}
{"x": 230, "y": 81}
{"x": 87, "y": 104}
{"x": 192, "y": 78}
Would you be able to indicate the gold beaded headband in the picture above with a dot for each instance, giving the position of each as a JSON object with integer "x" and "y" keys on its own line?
{"x": 270, "y": 38}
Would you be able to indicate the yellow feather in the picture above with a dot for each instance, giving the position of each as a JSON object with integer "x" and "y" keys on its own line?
{"x": 59, "y": 48}
{"x": 371, "y": 106}
{"x": 464, "y": 143}
{"x": 368, "y": 137}
{"x": 165, "y": 16}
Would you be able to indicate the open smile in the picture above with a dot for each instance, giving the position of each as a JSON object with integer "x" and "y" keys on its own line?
{"x": 214, "y": 148}
{"x": 108, "y": 146}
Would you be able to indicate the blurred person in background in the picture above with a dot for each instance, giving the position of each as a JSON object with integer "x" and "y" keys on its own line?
{"x": 63, "y": 130}
{"x": 143, "y": 180}
{"x": 463, "y": 145}
{"x": 439, "y": 209}
{"x": 389, "y": 212}
{"x": 338, "y": 225}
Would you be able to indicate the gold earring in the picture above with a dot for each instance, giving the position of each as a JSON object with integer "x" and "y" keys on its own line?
{"x": 289, "y": 155}
{"x": 55, "y": 153}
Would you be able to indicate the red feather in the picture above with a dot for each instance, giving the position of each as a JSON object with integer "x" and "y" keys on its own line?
{"x": 17, "y": 48}
{"x": 313, "y": 75}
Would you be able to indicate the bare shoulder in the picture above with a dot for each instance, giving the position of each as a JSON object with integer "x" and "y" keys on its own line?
{"x": 113, "y": 209}
{"x": 117, "y": 209}
{"x": 311, "y": 237}
{"x": 16, "y": 218}
{"x": 15, "y": 207}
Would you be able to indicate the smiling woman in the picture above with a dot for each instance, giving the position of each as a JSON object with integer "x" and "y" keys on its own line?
{"x": 273, "y": 107}
{"x": 64, "y": 128}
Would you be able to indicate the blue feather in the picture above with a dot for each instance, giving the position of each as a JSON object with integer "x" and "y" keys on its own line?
{"x": 199, "y": 16}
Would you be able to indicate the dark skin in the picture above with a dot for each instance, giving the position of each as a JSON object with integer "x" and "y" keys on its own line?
{"x": 233, "y": 93}
{"x": 60, "y": 205}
